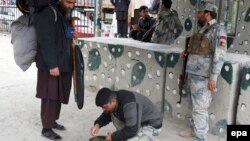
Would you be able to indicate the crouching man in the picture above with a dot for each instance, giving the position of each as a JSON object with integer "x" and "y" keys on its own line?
{"x": 134, "y": 116}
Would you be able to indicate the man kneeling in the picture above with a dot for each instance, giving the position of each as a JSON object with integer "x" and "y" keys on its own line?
{"x": 134, "y": 116}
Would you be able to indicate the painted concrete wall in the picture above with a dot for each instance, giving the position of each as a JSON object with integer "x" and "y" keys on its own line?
{"x": 238, "y": 43}
{"x": 133, "y": 65}
{"x": 243, "y": 113}
{"x": 128, "y": 64}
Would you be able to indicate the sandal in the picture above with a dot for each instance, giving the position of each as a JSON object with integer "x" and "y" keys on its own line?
{"x": 59, "y": 127}
{"x": 50, "y": 134}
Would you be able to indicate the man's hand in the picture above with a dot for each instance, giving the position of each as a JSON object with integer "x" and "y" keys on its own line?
{"x": 136, "y": 27}
{"x": 183, "y": 54}
{"x": 95, "y": 129}
{"x": 211, "y": 85}
{"x": 54, "y": 71}
{"x": 75, "y": 35}
{"x": 108, "y": 137}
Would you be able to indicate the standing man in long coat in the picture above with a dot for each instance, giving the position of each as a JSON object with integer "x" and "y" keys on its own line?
{"x": 54, "y": 63}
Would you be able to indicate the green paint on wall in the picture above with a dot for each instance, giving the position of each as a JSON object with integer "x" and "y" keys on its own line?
{"x": 221, "y": 124}
{"x": 227, "y": 72}
{"x": 172, "y": 60}
{"x": 138, "y": 73}
{"x": 230, "y": 41}
{"x": 116, "y": 50}
{"x": 245, "y": 80}
{"x": 94, "y": 59}
{"x": 247, "y": 17}
{"x": 80, "y": 43}
{"x": 160, "y": 58}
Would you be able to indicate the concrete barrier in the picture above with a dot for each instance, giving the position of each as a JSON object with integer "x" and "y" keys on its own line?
{"x": 137, "y": 66}
{"x": 243, "y": 114}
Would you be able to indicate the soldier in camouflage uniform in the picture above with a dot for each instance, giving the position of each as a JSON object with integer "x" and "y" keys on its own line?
{"x": 207, "y": 51}
{"x": 169, "y": 26}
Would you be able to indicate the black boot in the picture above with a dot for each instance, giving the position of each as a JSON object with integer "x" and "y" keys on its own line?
{"x": 50, "y": 134}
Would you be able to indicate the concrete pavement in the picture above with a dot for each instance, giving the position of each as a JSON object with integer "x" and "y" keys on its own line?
{"x": 20, "y": 110}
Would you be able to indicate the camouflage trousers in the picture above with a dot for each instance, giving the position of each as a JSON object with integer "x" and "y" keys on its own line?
{"x": 197, "y": 87}
{"x": 146, "y": 133}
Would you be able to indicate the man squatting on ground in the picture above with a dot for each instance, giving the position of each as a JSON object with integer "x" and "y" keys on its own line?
{"x": 134, "y": 116}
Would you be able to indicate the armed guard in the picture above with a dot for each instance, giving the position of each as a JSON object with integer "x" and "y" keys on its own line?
{"x": 169, "y": 26}
{"x": 207, "y": 51}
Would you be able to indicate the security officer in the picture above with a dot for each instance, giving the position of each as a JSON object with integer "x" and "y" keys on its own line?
{"x": 207, "y": 51}
{"x": 169, "y": 26}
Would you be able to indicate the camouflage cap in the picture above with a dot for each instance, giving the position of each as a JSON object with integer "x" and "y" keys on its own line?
{"x": 209, "y": 6}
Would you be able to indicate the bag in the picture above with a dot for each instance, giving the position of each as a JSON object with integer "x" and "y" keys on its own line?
{"x": 25, "y": 47}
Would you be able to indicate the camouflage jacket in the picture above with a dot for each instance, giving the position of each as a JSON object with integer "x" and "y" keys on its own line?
{"x": 209, "y": 65}
{"x": 168, "y": 28}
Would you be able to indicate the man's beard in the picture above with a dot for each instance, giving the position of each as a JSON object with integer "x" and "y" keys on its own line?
{"x": 68, "y": 14}
{"x": 200, "y": 23}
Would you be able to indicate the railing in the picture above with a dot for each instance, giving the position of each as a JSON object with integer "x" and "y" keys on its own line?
{"x": 8, "y": 13}
{"x": 84, "y": 10}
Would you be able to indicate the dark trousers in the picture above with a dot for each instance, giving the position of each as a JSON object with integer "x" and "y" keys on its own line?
{"x": 122, "y": 23}
{"x": 50, "y": 112}
{"x": 122, "y": 26}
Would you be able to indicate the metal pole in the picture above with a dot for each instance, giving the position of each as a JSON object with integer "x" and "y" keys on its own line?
{"x": 98, "y": 15}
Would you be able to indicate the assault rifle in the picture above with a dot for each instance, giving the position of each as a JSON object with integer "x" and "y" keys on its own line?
{"x": 183, "y": 75}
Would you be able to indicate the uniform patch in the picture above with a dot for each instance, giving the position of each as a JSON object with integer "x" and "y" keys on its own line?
{"x": 222, "y": 44}
{"x": 223, "y": 40}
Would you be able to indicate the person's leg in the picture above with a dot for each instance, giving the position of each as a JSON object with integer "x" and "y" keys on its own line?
{"x": 49, "y": 114}
{"x": 133, "y": 34}
{"x": 187, "y": 133}
{"x": 140, "y": 35}
{"x": 125, "y": 28}
{"x": 146, "y": 133}
{"x": 119, "y": 28}
{"x": 201, "y": 99}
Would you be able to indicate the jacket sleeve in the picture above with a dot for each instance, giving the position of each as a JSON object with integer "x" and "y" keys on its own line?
{"x": 103, "y": 119}
{"x": 132, "y": 123}
{"x": 178, "y": 27}
{"x": 46, "y": 37}
{"x": 140, "y": 23}
{"x": 220, "y": 42}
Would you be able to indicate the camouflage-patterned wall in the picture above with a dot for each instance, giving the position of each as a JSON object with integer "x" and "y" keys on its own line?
{"x": 243, "y": 114}
{"x": 237, "y": 43}
{"x": 128, "y": 64}
{"x": 124, "y": 64}
{"x": 240, "y": 42}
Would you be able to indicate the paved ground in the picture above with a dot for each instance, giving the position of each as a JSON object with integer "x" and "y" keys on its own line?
{"x": 20, "y": 110}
